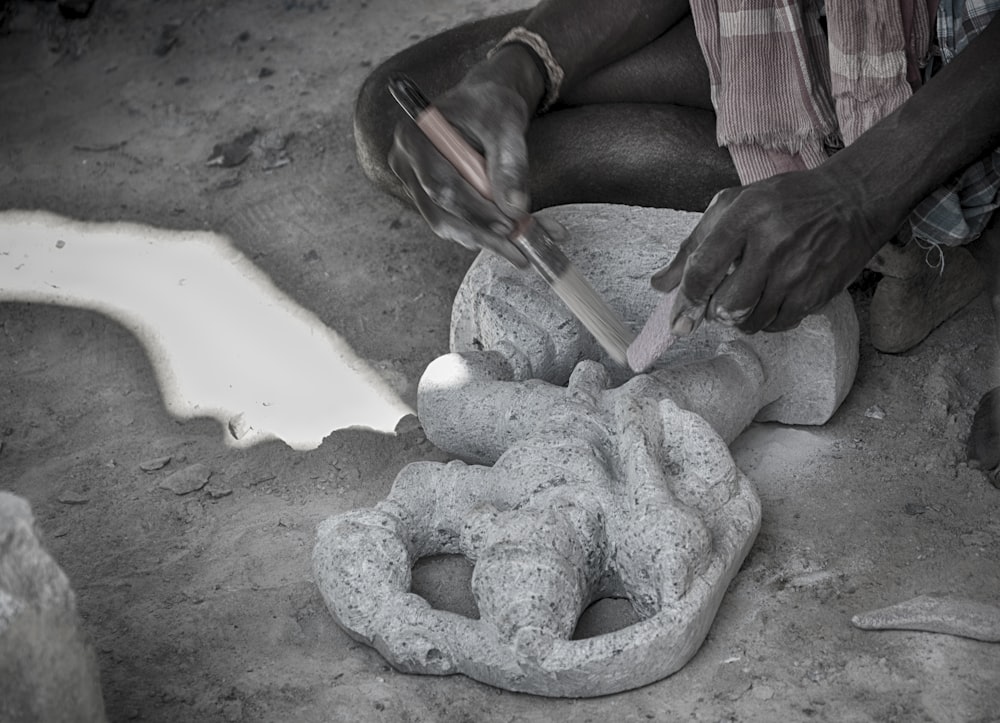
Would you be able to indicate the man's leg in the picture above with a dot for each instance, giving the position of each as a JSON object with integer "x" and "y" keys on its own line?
{"x": 640, "y": 131}
{"x": 984, "y": 438}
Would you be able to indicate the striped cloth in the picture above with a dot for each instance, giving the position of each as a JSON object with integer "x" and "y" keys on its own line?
{"x": 787, "y": 93}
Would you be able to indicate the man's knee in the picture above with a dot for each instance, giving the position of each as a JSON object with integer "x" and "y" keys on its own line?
{"x": 374, "y": 121}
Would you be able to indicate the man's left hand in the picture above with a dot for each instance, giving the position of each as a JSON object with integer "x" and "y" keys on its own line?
{"x": 766, "y": 255}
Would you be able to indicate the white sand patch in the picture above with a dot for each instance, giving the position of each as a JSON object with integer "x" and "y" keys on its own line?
{"x": 223, "y": 340}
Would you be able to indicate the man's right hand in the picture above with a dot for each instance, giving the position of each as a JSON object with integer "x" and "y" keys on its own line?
{"x": 492, "y": 107}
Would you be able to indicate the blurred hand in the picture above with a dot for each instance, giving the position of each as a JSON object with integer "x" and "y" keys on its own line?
{"x": 494, "y": 117}
{"x": 766, "y": 255}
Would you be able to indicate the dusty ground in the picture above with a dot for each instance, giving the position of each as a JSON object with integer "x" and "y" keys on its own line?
{"x": 202, "y": 607}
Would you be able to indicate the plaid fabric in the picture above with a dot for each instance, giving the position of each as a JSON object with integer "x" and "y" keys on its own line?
{"x": 787, "y": 94}
{"x": 958, "y": 211}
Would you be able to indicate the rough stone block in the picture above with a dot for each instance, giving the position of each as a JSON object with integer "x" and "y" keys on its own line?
{"x": 617, "y": 248}
{"x": 48, "y": 670}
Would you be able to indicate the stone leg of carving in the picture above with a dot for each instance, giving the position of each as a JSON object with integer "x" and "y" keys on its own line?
{"x": 554, "y": 549}
{"x": 363, "y": 559}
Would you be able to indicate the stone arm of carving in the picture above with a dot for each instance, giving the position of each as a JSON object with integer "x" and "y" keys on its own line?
{"x": 469, "y": 407}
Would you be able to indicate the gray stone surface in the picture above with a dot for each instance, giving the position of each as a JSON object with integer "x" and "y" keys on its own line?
{"x": 48, "y": 670}
{"x": 612, "y": 486}
{"x": 617, "y": 248}
{"x": 609, "y": 493}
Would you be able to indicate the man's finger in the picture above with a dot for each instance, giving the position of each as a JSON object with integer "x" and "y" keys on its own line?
{"x": 792, "y": 312}
{"x": 736, "y": 296}
{"x": 480, "y": 233}
{"x": 669, "y": 277}
{"x": 716, "y": 243}
{"x": 764, "y": 313}
{"x": 685, "y": 315}
{"x": 507, "y": 167}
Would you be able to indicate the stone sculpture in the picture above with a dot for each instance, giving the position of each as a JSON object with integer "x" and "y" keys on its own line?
{"x": 586, "y": 482}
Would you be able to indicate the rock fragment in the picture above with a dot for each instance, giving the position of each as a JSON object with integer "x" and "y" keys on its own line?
{"x": 69, "y": 497}
{"x": 187, "y": 480}
{"x": 48, "y": 669}
{"x": 151, "y": 465}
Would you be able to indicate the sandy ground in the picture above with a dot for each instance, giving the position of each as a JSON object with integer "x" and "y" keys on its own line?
{"x": 201, "y": 606}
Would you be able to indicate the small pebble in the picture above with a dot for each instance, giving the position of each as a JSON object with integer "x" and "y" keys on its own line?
{"x": 239, "y": 427}
{"x": 233, "y": 153}
{"x": 218, "y": 492}
{"x": 811, "y": 579}
{"x": 875, "y": 412}
{"x": 73, "y": 498}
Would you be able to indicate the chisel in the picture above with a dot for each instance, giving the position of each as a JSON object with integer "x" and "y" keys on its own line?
{"x": 528, "y": 236}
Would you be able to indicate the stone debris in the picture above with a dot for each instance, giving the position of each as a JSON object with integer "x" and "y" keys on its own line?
{"x": 233, "y": 153}
{"x": 218, "y": 492}
{"x": 187, "y": 480}
{"x": 152, "y": 465}
{"x": 69, "y": 497}
{"x": 936, "y": 614}
{"x": 239, "y": 427}
{"x": 48, "y": 668}
{"x": 875, "y": 412}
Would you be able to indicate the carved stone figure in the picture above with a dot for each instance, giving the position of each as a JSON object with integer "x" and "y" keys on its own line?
{"x": 586, "y": 482}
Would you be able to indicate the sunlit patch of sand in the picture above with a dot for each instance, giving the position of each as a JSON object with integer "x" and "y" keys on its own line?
{"x": 223, "y": 340}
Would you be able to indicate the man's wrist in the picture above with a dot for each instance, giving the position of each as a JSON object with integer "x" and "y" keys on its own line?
{"x": 516, "y": 65}
{"x": 881, "y": 201}
{"x": 541, "y": 55}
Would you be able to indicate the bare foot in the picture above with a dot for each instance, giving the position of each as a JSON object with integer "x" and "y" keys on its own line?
{"x": 984, "y": 438}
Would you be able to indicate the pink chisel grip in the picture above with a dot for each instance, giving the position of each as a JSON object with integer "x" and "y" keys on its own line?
{"x": 655, "y": 337}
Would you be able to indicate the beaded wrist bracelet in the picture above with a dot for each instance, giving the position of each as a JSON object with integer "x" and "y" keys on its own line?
{"x": 548, "y": 66}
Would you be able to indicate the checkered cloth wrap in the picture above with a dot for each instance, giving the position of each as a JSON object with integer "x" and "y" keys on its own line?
{"x": 787, "y": 94}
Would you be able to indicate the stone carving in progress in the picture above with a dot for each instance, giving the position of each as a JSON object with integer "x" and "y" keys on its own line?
{"x": 578, "y": 481}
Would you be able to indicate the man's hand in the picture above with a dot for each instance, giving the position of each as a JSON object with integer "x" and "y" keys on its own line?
{"x": 492, "y": 107}
{"x": 791, "y": 242}
{"x": 766, "y": 255}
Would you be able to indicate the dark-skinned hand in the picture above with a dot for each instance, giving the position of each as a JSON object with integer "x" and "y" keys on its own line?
{"x": 766, "y": 255}
{"x": 493, "y": 115}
